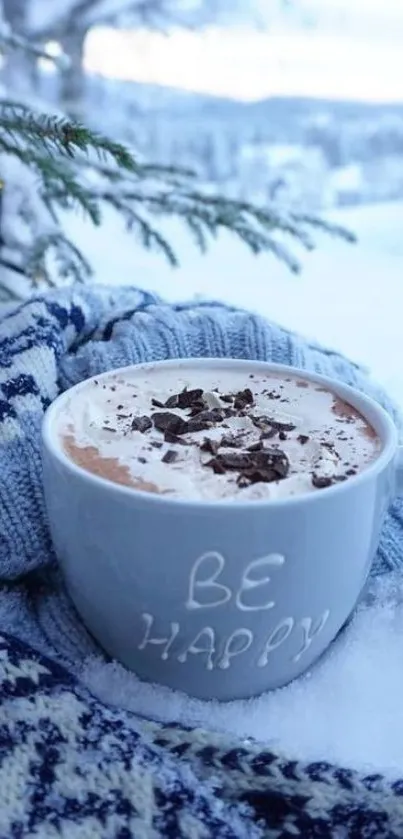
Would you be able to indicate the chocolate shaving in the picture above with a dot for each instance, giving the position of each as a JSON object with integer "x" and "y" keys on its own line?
{"x": 256, "y": 447}
{"x": 321, "y": 482}
{"x": 170, "y": 456}
{"x": 165, "y": 421}
{"x": 282, "y": 435}
{"x": 141, "y": 424}
{"x": 303, "y": 438}
{"x": 172, "y": 401}
{"x": 196, "y": 408}
{"x": 210, "y": 446}
{"x": 269, "y": 434}
{"x": 169, "y": 437}
{"x": 108, "y": 428}
{"x": 156, "y": 444}
{"x": 157, "y": 404}
{"x": 232, "y": 441}
{"x": 264, "y": 422}
{"x": 243, "y": 398}
{"x": 205, "y": 419}
{"x": 217, "y": 467}
{"x": 185, "y": 399}
{"x": 266, "y": 465}
{"x": 235, "y": 460}
{"x": 227, "y": 397}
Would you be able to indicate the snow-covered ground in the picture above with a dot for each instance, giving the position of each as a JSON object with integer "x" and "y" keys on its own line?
{"x": 349, "y": 297}
{"x": 349, "y": 708}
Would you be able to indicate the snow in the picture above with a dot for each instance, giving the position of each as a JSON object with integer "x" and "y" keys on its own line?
{"x": 349, "y": 708}
{"x": 348, "y": 178}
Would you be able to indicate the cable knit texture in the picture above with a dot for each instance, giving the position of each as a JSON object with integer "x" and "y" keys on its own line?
{"x": 70, "y": 765}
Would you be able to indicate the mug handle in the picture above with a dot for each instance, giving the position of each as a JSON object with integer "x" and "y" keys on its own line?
{"x": 399, "y": 472}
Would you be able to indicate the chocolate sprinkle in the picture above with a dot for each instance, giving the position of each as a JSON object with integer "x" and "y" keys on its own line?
{"x": 170, "y": 456}
{"x": 321, "y": 482}
{"x": 141, "y": 424}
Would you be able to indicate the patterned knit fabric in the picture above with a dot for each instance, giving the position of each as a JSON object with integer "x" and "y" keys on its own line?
{"x": 69, "y": 765}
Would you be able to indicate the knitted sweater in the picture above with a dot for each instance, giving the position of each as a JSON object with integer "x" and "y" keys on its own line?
{"x": 71, "y": 766}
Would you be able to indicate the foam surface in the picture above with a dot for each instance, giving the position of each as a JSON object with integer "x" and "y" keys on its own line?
{"x": 323, "y": 439}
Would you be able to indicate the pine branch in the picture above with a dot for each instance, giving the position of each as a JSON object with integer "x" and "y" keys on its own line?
{"x": 58, "y": 136}
{"x": 77, "y": 168}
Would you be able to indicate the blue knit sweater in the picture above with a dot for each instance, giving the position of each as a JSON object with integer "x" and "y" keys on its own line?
{"x": 72, "y": 761}
{"x": 53, "y": 342}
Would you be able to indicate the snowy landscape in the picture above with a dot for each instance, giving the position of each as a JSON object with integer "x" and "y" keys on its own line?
{"x": 344, "y": 159}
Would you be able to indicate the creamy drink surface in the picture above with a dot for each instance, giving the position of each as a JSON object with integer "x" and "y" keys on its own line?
{"x": 215, "y": 434}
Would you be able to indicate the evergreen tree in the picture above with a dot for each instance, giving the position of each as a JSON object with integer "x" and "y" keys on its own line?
{"x": 50, "y": 164}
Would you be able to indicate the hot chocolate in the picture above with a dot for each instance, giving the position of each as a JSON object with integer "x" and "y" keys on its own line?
{"x": 214, "y": 435}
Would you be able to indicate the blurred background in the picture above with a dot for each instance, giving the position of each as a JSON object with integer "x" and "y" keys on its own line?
{"x": 297, "y": 101}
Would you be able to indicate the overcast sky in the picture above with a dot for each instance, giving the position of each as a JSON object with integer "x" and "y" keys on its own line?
{"x": 331, "y": 48}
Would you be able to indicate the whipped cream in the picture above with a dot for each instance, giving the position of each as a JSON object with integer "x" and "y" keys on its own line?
{"x": 290, "y": 436}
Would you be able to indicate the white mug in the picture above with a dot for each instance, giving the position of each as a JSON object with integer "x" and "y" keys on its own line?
{"x": 220, "y": 599}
